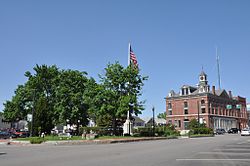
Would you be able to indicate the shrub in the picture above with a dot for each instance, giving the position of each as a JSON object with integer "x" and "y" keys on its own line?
{"x": 87, "y": 130}
{"x": 203, "y": 130}
{"x": 158, "y": 131}
{"x": 36, "y": 140}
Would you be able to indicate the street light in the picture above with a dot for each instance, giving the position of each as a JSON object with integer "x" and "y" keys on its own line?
{"x": 33, "y": 110}
{"x": 78, "y": 126}
{"x": 153, "y": 110}
{"x": 129, "y": 118}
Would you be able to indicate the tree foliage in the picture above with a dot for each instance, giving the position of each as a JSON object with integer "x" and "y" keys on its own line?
{"x": 121, "y": 88}
{"x": 54, "y": 96}
{"x": 162, "y": 115}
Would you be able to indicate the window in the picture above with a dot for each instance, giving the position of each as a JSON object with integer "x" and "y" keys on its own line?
{"x": 177, "y": 123}
{"x": 185, "y": 111}
{"x": 169, "y": 106}
{"x": 216, "y": 111}
{"x": 183, "y": 93}
{"x": 186, "y": 124}
{"x": 185, "y": 104}
{"x": 170, "y": 112}
{"x": 203, "y": 110}
{"x": 202, "y": 102}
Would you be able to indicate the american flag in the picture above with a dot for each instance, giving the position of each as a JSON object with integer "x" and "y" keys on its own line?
{"x": 133, "y": 58}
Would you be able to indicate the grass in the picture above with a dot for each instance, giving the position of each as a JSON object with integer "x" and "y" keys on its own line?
{"x": 52, "y": 138}
{"x": 114, "y": 137}
{"x": 201, "y": 135}
{"x": 56, "y": 138}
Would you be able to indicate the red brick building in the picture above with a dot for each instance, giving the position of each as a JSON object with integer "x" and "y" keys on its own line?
{"x": 215, "y": 108}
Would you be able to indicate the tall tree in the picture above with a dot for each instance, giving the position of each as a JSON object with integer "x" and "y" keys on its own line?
{"x": 42, "y": 89}
{"x": 70, "y": 97}
{"x": 121, "y": 88}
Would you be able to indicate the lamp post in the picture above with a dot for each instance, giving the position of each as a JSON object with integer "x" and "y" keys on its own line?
{"x": 129, "y": 118}
{"x": 78, "y": 126}
{"x": 33, "y": 110}
{"x": 153, "y": 110}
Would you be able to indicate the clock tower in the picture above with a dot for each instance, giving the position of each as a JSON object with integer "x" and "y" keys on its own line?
{"x": 203, "y": 83}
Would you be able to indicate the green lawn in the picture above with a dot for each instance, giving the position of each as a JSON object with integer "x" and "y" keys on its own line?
{"x": 56, "y": 138}
{"x": 52, "y": 138}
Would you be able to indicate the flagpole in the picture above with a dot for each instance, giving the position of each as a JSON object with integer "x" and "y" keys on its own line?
{"x": 129, "y": 53}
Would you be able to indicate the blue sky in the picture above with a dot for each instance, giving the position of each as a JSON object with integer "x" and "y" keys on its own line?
{"x": 172, "y": 40}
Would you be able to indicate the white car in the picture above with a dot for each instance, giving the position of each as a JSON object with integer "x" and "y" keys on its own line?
{"x": 245, "y": 132}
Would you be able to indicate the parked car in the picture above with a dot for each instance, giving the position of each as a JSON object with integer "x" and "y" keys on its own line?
{"x": 4, "y": 135}
{"x": 22, "y": 134}
{"x": 245, "y": 132}
{"x": 220, "y": 131}
{"x": 233, "y": 131}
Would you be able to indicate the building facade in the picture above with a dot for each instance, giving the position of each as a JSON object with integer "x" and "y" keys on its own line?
{"x": 215, "y": 108}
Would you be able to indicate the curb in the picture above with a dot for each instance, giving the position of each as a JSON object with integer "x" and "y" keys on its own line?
{"x": 97, "y": 141}
{"x": 88, "y": 142}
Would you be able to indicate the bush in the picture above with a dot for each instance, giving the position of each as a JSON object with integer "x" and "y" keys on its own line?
{"x": 203, "y": 130}
{"x": 144, "y": 132}
{"x": 36, "y": 140}
{"x": 158, "y": 131}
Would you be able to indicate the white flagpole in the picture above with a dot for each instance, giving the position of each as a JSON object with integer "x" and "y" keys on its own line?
{"x": 129, "y": 53}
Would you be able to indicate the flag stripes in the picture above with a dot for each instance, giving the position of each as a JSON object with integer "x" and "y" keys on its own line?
{"x": 133, "y": 58}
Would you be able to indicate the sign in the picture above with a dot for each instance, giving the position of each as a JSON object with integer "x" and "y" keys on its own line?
{"x": 238, "y": 106}
{"x": 229, "y": 106}
{"x": 29, "y": 117}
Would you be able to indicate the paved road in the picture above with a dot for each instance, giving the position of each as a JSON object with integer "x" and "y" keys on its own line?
{"x": 220, "y": 150}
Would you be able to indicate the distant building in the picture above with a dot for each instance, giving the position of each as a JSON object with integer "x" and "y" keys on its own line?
{"x": 248, "y": 113}
{"x": 215, "y": 108}
{"x": 138, "y": 122}
{"x": 157, "y": 122}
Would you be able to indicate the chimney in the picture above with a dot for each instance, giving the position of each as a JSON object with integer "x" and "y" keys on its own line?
{"x": 230, "y": 94}
{"x": 213, "y": 90}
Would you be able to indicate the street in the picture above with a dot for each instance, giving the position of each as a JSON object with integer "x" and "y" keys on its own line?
{"x": 219, "y": 150}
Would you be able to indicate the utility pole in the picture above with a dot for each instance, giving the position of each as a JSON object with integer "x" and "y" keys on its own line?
{"x": 153, "y": 109}
{"x": 218, "y": 68}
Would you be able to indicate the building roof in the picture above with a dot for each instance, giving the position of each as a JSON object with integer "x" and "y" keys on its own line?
{"x": 157, "y": 120}
{"x": 138, "y": 119}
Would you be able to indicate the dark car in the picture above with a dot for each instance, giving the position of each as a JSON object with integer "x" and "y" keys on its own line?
{"x": 4, "y": 135}
{"x": 233, "y": 131}
{"x": 219, "y": 131}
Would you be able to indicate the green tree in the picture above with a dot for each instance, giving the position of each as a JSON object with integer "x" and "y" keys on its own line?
{"x": 16, "y": 108}
{"x": 162, "y": 115}
{"x": 193, "y": 124}
{"x": 70, "y": 97}
{"x": 38, "y": 94}
{"x": 120, "y": 88}
{"x": 41, "y": 87}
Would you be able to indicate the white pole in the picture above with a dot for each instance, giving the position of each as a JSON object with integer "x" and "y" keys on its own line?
{"x": 129, "y": 53}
